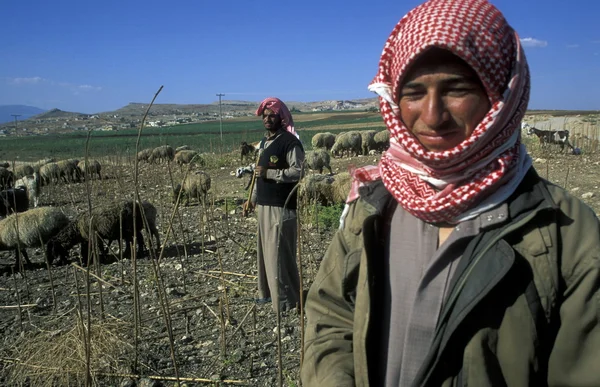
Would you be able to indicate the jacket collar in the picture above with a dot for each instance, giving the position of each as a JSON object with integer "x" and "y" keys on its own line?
{"x": 530, "y": 194}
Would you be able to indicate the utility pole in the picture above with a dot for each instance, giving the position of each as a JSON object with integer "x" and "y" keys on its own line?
{"x": 16, "y": 115}
{"x": 220, "y": 117}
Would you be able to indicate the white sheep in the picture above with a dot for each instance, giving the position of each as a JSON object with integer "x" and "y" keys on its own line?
{"x": 194, "y": 185}
{"x": 32, "y": 185}
{"x": 348, "y": 142}
{"x": 323, "y": 140}
{"x": 31, "y": 228}
{"x": 318, "y": 159}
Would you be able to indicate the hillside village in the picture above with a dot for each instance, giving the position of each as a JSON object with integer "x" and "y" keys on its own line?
{"x": 161, "y": 115}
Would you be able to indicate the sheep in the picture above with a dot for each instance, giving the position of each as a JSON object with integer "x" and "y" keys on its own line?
{"x": 32, "y": 186}
{"x": 93, "y": 168}
{"x": 150, "y": 215}
{"x": 347, "y": 142}
{"x": 318, "y": 159}
{"x": 68, "y": 170}
{"x": 325, "y": 189}
{"x": 24, "y": 170}
{"x": 367, "y": 141}
{"x": 38, "y": 164}
{"x": 187, "y": 157}
{"x": 32, "y": 228}
{"x": 144, "y": 154}
{"x": 194, "y": 185}
{"x": 382, "y": 140}
{"x": 49, "y": 173}
{"x": 13, "y": 200}
{"x": 162, "y": 153}
{"x": 109, "y": 222}
{"x": 183, "y": 147}
{"x": 7, "y": 178}
{"x": 323, "y": 140}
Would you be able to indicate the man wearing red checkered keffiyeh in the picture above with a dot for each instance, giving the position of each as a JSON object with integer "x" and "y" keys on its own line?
{"x": 454, "y": 259}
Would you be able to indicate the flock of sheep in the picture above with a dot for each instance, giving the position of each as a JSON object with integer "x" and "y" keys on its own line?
{"x": 164, "y": 153}
{"x": 326, "y": 189}
{"x": 25, "y": 225}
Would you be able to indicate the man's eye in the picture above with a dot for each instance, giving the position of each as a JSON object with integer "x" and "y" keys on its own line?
{"x": 411, "y": 94}
{"x": 459, "y": 90}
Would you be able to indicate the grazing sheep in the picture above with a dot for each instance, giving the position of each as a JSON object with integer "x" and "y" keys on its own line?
{"x": 38, "y": 164}
{"x": 93, "y": 168}
{"x": 195, "y": 185}
{"x": 323, "y": 140}
{"x": 13, "y": 200}
{"x": 347, "y": 142}
{"x": 108, "y": 222}
{"x": 187, "y": 157}
{"x": 367, "y": 141}
{"x": 183, "y": 147}
{"x": 144, "y": 154}
{"x": 150, "y": 214}
{"x": 382, "y": 140}
{"x": 325, "y": 189}
{"x": 49, "y": 173}
{"x": 32, "y": 186}
{"x": 318, "y": 159}
{"x": 31, "y": 228}
{"x": 68, "y": 170}
{"x": 162, "y": 153}
{"x": 7, "y": 178}
{"x": 24, "y": 170}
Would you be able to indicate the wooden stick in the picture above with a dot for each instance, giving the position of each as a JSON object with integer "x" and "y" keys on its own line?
{"x": 93, "y": 275}
{"x": 247, "y": 204}
{"x": 230, "y": 273}
{"x": 18, "y": 306}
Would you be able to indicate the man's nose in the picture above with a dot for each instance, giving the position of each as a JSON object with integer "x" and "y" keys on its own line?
{"x": 434, "y": 112}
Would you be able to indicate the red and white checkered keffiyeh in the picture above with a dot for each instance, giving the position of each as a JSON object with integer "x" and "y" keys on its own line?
{"x": 445, "y": 186}
{"x": 278, "y": 107}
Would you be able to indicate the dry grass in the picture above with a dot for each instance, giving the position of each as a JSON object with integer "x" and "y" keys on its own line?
{"x": 58, "y": 358}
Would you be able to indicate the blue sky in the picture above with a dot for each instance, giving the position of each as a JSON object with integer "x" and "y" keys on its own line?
{"x": 73, "y": 56}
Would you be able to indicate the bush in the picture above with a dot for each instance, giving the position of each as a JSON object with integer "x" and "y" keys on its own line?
{"x": 329, "y": 216}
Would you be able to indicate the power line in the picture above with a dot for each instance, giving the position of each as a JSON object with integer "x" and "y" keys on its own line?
{"x": 16, "y": 115}
{"x": 220, "y": 116}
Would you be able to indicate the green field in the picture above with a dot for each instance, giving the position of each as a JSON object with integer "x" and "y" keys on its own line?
{"x": 204, "y": 137}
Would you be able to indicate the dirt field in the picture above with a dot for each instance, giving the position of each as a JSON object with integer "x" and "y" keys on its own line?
{"x": 196, "y": 319}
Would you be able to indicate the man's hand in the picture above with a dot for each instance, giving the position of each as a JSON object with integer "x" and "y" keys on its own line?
{"x": 260, "y": 171}
{"x": 247, "y": 208}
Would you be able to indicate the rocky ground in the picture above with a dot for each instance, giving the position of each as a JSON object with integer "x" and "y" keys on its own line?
{"x": 196, "y": 318}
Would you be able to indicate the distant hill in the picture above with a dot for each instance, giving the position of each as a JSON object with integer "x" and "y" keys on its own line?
{"x": 57, "y": 113}
{"x": 158, "y": 109}
{"x": 25, "y": 112}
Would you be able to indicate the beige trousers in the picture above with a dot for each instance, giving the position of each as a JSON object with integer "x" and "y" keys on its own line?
{"x": 277, "y": 269}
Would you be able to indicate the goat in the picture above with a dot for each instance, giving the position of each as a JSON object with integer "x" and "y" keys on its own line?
{"x": 248, "y": 150}
{"x": 247, "y": 170}
{"x": 560, "y": 137}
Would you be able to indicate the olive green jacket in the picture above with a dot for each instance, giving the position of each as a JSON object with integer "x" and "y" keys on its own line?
{"x": 523, "y": 307}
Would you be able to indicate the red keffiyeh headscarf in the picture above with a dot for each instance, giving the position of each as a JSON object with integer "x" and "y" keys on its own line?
{"x": 278, "y": 107}
{"x": 483, "y": 170}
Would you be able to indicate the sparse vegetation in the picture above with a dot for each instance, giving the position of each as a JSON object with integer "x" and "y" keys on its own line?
{"x": 188, "y": 314}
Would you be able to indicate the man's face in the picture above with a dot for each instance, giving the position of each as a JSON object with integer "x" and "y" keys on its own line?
{"x": 271, "y": 121}
{"x": 442, "y": 100}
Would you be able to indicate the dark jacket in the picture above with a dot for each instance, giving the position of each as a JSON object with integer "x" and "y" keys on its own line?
{"x": 523, "y": 307}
